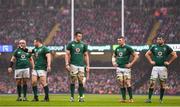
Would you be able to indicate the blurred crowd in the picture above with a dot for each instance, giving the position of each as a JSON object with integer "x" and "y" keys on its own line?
{"x": 99, "y": 20}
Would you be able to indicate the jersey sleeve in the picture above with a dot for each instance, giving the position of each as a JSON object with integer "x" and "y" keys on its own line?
{"x": 46, "y": 50}
{"x": 15, "y": 53}
{"x": 85, "y": 48}
{"x": 131, "y": 50}
{"x": 115, "y": 52}
{"x": 68, "y": 46}
{"x": 151, "y": 48}
{"x": 169, "y": 50}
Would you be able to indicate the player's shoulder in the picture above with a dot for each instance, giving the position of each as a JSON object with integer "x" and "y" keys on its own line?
{"x": 71, "y": 42}
{"x": 44, "y": 46}
{"x": 153, "y": 46}
{"x": 84, "y": 43}
{"x": 167, "y": 46}
{"x": 117, "y": 47}
{"x": 16, "y": 50}
{"x": 127, "y": 46}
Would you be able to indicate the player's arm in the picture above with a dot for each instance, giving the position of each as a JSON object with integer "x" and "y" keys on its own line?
{"x": 48, "y": 56}
{"x": 173, "y": 57}
{"x": 86, "y": 58}
{"x": 32, "y": 62}
{"x": 13, "y": 59}
{"x": 114, "y": 60}
{"x": 135, "y": 58}
{"x": 67, "y": 59}
{"x": 148, "y": 56}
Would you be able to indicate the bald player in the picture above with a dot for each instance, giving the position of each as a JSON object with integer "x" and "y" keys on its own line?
{"x": 22, "y": 68}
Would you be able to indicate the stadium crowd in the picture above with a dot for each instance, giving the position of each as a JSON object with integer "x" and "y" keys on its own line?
{"x": 100, "y": 21}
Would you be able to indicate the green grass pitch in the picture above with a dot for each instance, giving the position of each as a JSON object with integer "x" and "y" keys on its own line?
{"x": 90, "y": 100}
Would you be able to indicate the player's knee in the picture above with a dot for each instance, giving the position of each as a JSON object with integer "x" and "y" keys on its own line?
{"x": 34, "y": 82}
{"x": 128, "y": 84}
{"x": 162, "y": 85}
{"x": 24, "y": 81}
{"x": 80, "y": 81}
{"x": 120, "y": 83}
{"x": 81, "y": 85}
{"x": 18, "y": 81}
{"x": 152, "y": 83}
{"x": 73, "y": 80}
{"x": 44, "y": 83}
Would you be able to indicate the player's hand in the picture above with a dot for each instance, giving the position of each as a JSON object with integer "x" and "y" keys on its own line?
{"x": 10, "y": 70}
{"x": 68, "y": 67}
{"x": 152, "y": 62}
{"x": 166, "y": 63}
{"x": 129, "y": 65}
{"x": 115, "y": 65}
{"x": 49, "y": 69}
{"x": 87, "y": 68}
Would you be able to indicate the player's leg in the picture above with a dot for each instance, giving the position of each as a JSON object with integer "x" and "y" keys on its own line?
{"x": 121, "y": 84}
{"x": 162, "y": 89}
{"x": 72, "y": 77}
{"x": 72, "y": 86}
{"x": 25, "y": 88}
{"x": 128, "y": 84}
{"x": 43, "y": 80}
{"x": 163, "y": 77}
{"x": 26, "y": 76}
{"x": 129, "y": 89}
{"x": 18, "y": 77}
{"x": 81, "y": 85}
{"x": 34, "y": 85}
{"x": 18, "y": 83}
{"x": 154, "y": 76}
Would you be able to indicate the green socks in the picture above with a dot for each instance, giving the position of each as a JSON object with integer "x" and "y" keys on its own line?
{"x": 19, "y": 90}
{"x": 123, "y": 92}
{"x": 81, "y": 90}
{"x": 72, "y": 88}
{"x": 150, "y": 93}
{"x": 25, "y": 89}
{"x": 129, "y": 89}
{"x": 161, "y": 93}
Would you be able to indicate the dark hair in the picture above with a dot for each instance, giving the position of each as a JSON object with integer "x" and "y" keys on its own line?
{"x": 78, "y": 32}
{"x": 39, "y": 40}
{"x": 121, "y": 37}
{"x": 161, "y": 36}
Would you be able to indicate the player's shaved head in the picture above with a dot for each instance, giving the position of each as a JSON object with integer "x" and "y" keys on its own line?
{"x": 22, "y": 43}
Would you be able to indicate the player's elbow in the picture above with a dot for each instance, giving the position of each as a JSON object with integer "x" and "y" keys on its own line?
{"x": 175, "y": 56}
{"x": 146, "y": 55}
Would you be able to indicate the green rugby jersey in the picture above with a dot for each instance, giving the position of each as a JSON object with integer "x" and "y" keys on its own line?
{"x": 77, "y": 50}
{"x": 40, "y": 57}
{"x": 160, "y": 54}
{"x": 122, "y": 54}
{"x": 22, "y": 59}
